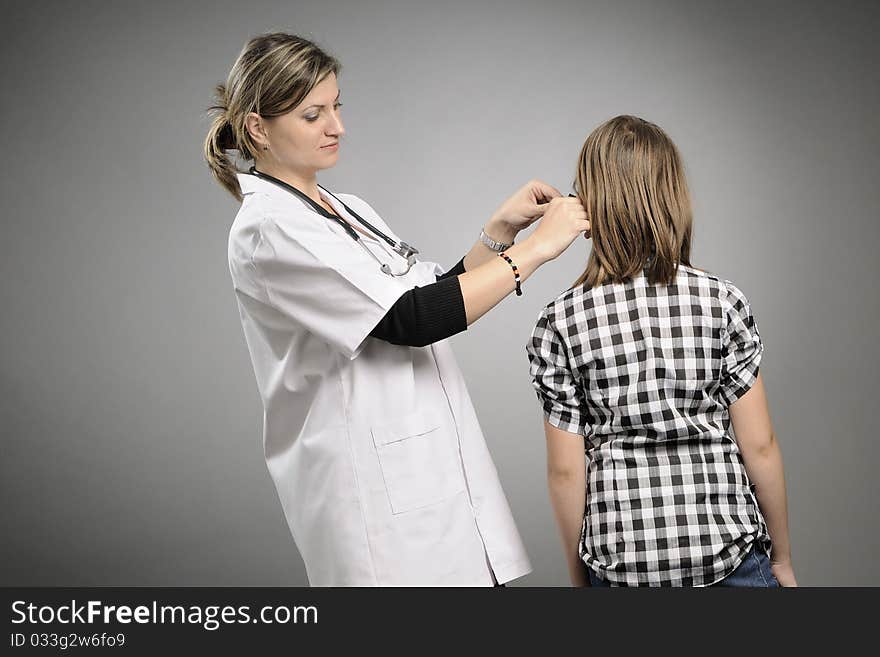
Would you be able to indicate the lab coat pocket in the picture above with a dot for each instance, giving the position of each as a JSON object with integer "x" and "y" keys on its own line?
{"x": 419, "y": 458}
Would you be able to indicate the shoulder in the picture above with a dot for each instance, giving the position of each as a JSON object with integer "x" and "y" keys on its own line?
{"x": 729, "y": 295}
{"x": 708, "y": 283}
{"x": 247, "y": 225}
{"x": 732, "y": 290}
{"x": 734, "y": 303}
{"x": 267, "y": 228}
{"x": 559, "y": 312}
{"x": 258, "y": 213}
{"x": 728, "y": 292}
{"x": 734, "y": 299}
{"x": 695, "y": 274}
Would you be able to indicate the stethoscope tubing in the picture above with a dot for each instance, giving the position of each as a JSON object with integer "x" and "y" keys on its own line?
{"x": 398, "y": 247}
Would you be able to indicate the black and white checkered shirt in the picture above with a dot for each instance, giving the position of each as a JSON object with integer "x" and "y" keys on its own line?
{"x": 646, "y": 374}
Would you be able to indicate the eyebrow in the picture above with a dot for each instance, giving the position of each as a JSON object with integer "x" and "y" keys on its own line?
{"x": 323, "y": 106}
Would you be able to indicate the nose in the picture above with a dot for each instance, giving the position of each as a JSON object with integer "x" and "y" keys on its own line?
{"x": 335, "y": 127}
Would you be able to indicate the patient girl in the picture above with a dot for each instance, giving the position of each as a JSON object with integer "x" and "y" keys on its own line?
{"x": 643, "y": 369}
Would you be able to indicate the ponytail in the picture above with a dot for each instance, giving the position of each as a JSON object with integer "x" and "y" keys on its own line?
{"x": 221, "y": 138}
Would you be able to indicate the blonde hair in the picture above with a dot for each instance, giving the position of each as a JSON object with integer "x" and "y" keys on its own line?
{"x": 272, "y": 75}
{"x": 630, "y": 179}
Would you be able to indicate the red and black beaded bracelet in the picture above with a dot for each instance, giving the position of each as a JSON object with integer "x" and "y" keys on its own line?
{"x": 515, "y": 272}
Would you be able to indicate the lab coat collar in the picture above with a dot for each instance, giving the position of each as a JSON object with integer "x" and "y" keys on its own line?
{"x": 250, "y": 184}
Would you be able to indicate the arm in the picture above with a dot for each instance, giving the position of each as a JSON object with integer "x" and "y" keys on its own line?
{"x": 762, "y": 457}
{"x": 499, "y": 231}
{"x": 424, "y": 315}
{"x": 434, "y": 312}
{"x": 455, "y": 271}
{"x": 516, "y": 213}
{"x": 565, "y": 425}
{"x": 488, "y": 278}
{"x": 480, "y": 253}
{"x": 566, "y": 480}
{"x": 519, "y": 211}
{"x": 486, "y": 284}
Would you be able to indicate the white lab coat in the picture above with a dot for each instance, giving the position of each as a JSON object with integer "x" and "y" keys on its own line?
{"x": 374, "y": 448}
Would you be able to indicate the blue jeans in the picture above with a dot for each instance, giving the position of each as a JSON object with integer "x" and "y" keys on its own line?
{"x": 754, "y": 571}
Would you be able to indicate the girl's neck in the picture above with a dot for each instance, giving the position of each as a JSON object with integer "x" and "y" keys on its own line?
{"x": 307, "y": 183}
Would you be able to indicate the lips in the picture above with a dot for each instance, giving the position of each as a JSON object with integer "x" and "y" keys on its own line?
{"x": 335, "y": 143}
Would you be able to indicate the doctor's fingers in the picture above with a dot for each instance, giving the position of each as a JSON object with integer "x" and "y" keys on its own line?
{"x": 578, "y": 227}
{"x": 574, "y": 219}
{"x": 565, "y": 217}
{"x": 585, "y": 228}
{"x": 564, "y": 206}
{"x": 541, "y": 192}
{"x": 540, "y": 208}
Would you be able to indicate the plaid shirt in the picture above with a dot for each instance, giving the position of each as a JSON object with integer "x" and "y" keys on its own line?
{"x": 646, "y": 374}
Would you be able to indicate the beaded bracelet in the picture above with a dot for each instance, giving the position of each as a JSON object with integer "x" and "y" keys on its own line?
{"x": 515, "y": 272}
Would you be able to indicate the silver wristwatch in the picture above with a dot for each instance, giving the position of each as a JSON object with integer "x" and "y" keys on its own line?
{"x": 492, "y": 244}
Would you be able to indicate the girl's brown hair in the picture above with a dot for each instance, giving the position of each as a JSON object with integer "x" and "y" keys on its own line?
{"x": 272, "y": 75}
{"x": 631, "y": 181}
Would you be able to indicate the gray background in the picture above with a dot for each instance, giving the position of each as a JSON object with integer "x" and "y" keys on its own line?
{"x": 131, "y": 450}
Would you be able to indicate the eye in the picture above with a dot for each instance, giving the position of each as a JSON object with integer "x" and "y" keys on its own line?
{"x": 337, "y": 105}
{"x": 311, "y": 119}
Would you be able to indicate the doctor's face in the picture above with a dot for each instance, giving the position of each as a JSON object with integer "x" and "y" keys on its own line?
{"x": 306, "y": 139}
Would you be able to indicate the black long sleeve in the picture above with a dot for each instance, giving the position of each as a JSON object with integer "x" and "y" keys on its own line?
{"x": 455, "y": 271}
{"x": 424, "y": 315}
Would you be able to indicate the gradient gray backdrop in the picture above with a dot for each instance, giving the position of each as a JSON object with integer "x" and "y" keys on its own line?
{"x": 131, "y": 450}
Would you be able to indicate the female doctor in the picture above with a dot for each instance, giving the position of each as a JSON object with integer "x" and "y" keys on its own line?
{"x": 369, "y": 433}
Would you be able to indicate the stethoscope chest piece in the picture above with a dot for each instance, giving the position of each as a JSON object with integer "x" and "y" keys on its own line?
{"x": 406, "y": 251}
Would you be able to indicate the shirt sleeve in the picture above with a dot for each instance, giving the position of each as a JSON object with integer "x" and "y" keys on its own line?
{"x": 424, "y": 315}
{"x": 558, "y": 391}
{"x": 457, "y": 270}
{"x": 741, "y": 346}
{"x": 322, "y": 284}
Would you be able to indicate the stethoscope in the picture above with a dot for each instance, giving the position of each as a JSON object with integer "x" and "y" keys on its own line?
{"x": 402, "y": 249}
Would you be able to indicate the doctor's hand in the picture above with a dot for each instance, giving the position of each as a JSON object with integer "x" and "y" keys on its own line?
{"x": 521, "y": 210}
{"x": 564, "y": 220}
